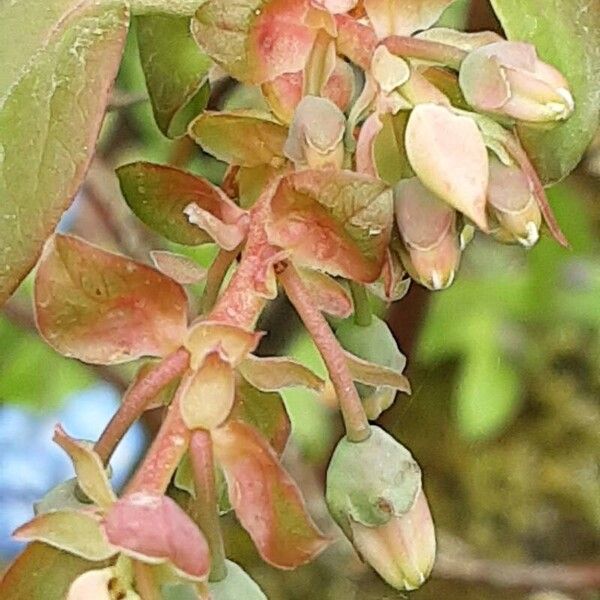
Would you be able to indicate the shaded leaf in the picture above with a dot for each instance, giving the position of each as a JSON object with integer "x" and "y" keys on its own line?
{"x": 337, "y": 222}
{"x": 91, "y": 474}
{"x": 236, "y": 585}
{"x": 389, "y": 151}
{"x": 243, "y": 137}
{"x": 566, "y": 34}
{"x": 370, "y": 373}
{"x": 104, "y": 308}
{"x": 266, "y": 500}
{"x": 175, "y": 71}
{"x": 254, "y": 40}
{"x": 276, "y": 372}
{"x": 157, "y": 529}
{"x": 159, "y": 195}
{"x": 59, "y": 62}
{"x": 178, "y": 267}
{"x": 78, "y": 533}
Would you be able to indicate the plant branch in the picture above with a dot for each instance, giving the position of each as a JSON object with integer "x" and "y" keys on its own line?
{"x": 137, "y": 398}
{"x": 205, "y": 507}
{"x": 353, "y": 413}
{"x": 411, "y": 47}
{"x": 362, "y": 307}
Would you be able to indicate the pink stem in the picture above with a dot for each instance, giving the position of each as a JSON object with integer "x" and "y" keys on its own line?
{"x": 411, "y": 47}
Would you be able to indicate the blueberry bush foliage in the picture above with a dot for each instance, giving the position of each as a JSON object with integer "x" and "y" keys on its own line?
{"x": 382, "y": 143}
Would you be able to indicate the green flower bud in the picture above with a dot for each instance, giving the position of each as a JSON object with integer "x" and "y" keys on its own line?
{"x": 375, "y": 343}
{"x": 374, "y": 493}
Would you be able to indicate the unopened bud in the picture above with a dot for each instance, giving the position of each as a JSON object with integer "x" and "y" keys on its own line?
{"x": 382, "y": 508}
{"x": 316, "y": 134}
{"x": 428, "y": 229}
{"x": 513, "y": 205}
{"x": 100, "y": 584}
{"x": 508, "y": 78}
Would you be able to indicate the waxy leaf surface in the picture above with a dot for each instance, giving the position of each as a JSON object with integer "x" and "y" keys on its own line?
{"x": 59, "y": 60}
{"x": 266, "y": 500}
{"x": 104, "y": 308}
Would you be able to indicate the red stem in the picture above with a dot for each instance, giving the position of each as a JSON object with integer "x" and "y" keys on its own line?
{"x": 353, "y": 413}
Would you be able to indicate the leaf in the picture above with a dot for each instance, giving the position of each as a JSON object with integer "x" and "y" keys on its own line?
{"x": 264, "y": 411}
{"x": 337, "y": 222}
{"x": 165, "y": 7}
{"x": 389, "y": 151}
{"x": 254, "y": 40}
{"x": 175, "y": 71}
{"x": 91, "y": 474}
{"x": 78, "y": 533}
{"x": 329, "y": 295}
{"x": 266, "y": 500}
{"x": 59, "y": 61}
{"x": 243, "y": 137}
{"x": 61, "y": 497}
{"x": 42, "y": 572}
{"x": 104, "y": 308}
{"x": 157, "y": 529}
{"x": 178, "y": 267}
{"x": 159, "y": 195}
{"x": 566, "y": 34}
{"x": 236, "y": 585}
{"x": 371, "y": 373}
{"x": 277, "y": 372}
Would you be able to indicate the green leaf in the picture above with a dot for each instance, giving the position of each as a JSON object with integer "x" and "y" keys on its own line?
{"x": 245, "y": 138}
{"x": 165, "y": 7}
{"x": 237, "y": 584}
{"x": 59, "y": 60}
{"x": 78, "y": 533}
{"x": 389, "y": 151}
{"x": 175, "y": 71}
{"x": 566, "y": 34}
{"x": 42, "y": 572}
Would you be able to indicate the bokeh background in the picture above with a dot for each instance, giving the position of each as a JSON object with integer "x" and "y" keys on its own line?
{"x": 505, "y": 367}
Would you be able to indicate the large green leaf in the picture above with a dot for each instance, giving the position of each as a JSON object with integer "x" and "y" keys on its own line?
{"x": 59, "y": 60}
{"x": 566, "y": 34}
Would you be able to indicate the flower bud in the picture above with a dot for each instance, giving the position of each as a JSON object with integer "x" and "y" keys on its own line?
{"x": 316, "y": 134}
{"x": 374, "y": 343}
{"x": 508, "y": 78}
{"x": 513, "y": 205}
{"x": 99, "y": 584}
{"x": 374, "y": 493}
{"x": 428, "y": 229}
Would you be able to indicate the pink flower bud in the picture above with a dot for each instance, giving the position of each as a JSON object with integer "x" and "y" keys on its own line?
{"x": 428, "y": 229}
{"x": 513, "y": 205}
{"x": 508, "y": 78}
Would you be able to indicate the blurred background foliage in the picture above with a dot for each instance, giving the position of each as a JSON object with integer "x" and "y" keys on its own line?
{"x": 504, "y": 416}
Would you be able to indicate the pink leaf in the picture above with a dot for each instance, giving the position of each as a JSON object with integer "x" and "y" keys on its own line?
{"x": 329, "y": 295}
{"x": 178, "y": 267}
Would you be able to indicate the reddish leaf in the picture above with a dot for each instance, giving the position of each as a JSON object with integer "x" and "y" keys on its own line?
{"x": 337, "y": 222}
{"x": 178, "y": 267}
{"x": 266, "y": 500}
{"x": 156, "y": 530}
{"x": 104, "y": 308}
{"x": 159, "y": 195}
{"x": 355, "y": 40}
{"x": 329, "y": 295}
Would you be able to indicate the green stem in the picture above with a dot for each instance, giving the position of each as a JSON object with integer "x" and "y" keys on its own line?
{"x": 362, "y": 307}
{"x": 205, "y": 507}
{"x": 353, "y": 413}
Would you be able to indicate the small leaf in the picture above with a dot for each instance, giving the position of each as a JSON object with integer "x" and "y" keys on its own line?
{"x": 565, "y": 34}
{"x": 243, "y": 137}
{"x": 237, "y": 585}
{"x": 104, "y": 308}
{"x": 337, "y": 222}
{"x": 209, "y": 394}
{"x": 159, "y": 195}
{"x": 264, "y": 411}
{"x": 389, "y": 151}
{"x": 61, "y": 497}
{"x": 59, "y": 61}
{"x": 266, "y": 500}
{"x": 178, "y": 267}
{"x": 370, "y": 373}
{"x": 183, "y": 8}
{"x": 78, "y": 533}
{"x": 276, "y": 372}
{"x": 42, "y": 572}
{"x": 157, "y": 530}
{"x": 175, "y": 71}
{"x": 255, "y": 40}
{"x": 394, "y": 283}
{"x": 329, "y": 295}
{"x": 91, "y": 474}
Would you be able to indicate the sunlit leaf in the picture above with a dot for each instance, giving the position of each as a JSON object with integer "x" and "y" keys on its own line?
{"x": 91, "y": 474}
{"x": 266, "y": 500}
{"x": 157, "y": 529}
{"x": 78, "y": 533}
{"x": 104, "y": 308}
{"x": 566, "y": 34}
{"x": 178, "y": 267}
{"x": 255, "y": 40}
{"x": 59, "y": 60}
{"x": 277, "y": 372}
{"x": 337, "y": 222}
{"x": 159, "y": 195}
{"x": 242, "y": 138}
{"x": 175, "y": 71}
